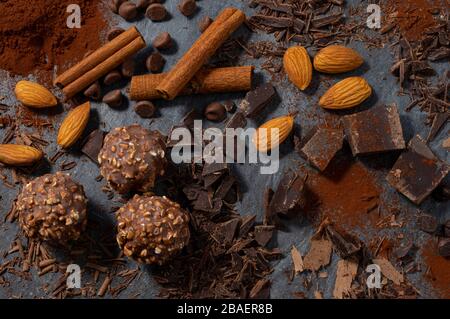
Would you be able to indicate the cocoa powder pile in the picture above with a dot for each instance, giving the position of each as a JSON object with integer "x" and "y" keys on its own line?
{"x": 35, "y": 37}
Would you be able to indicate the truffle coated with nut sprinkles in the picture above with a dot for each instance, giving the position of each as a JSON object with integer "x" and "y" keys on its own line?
{"x": 152, "y": 229}
{"x": 131, "y": 158}
{"x": 53, "y": 208}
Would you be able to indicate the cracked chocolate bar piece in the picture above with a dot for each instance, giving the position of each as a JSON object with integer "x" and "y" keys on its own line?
{"x": 289, "y": 193}
{"x": 417, "y": 172}
{"x": 376, "y": 130}
{"x": 257, "y": 99}
{"x": 323, "y": 145}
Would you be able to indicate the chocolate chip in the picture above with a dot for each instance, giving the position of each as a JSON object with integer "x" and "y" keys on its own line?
{"x": 204, "y": 23}
{"x": 112, "y": 77}
{"x": 427, "y": 223}
{"x": 215, "y": 112}
{"x": 143, "y": 4}
{"x": 94, "y": 91}
{"x": 145, "y": 109}
{"x": 93, "y": 145}
{"x": 187, "y": 7}
{"x": 113, "y": 33}
{"x": 113, "y": 98}
{"x": 155, "y": 62}
{"x": 115, "y": 4}
{"x": 230, "y": 106}
{"x": 128, "y": 10}
{"x": 156, "y": 12}
{"x": 162, "y": 41}
{"x": 128, "y": 68}
{"x": 444, "y": 247}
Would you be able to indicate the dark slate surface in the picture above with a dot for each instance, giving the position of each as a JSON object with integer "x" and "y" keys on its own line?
{"x": 184, "y": 31}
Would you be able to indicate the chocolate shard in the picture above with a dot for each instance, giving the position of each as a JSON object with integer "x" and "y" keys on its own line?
{"x": 204, "y": 202}
{"x": 417, "y": 171}
{"x": 261, "y": 290}
{"x": 374, "y": 131}
{"x": 224, "y": 233}
{"x": 93, "y": 144}
{"x": 438, "y": 122}
{"x": 345, "y": 244}
{"x": 247, "y": 223}
{"x": 289, "y": 193}
{"x": 321, "y": 148}
{"x": 257, "y": 99}
{"x": 263, "y": 234}
{"x": 225, "y": 187}
{"x": 214, "y": 168}
{"x": 439, "y": 54}
{"x": 238, "y": 120}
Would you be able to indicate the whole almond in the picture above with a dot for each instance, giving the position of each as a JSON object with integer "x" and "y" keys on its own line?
{"x": 265, "y": 138}
{"x": 337, "y": 59}
{"x": 34, "y": 95}
{"x": 346, "y": 94}
{"x": 73, "y": 125}
{"x": 19, "y": 155}
{"x": 298, "y": 67}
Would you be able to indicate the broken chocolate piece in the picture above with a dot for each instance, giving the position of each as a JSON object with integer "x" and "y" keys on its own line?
{"x": 224, "y": 233}
{"x": 257, "y": 99}
{"x": 375, "y": 130}
{"x": 93, "y": 145}
{"x": 427, "y": 223}
{"x": 438, "y": 122}
{"x": 417, "y": 172}
{"x": 247, "y": 223}
{"x": 322, "y": 147}
{"x": 345, "y": 244}
{"x": 238, "y": 120}
{"x": 263, "y": 234}
{"x": 289, "y": 193}
{"x": 444, "y": 247}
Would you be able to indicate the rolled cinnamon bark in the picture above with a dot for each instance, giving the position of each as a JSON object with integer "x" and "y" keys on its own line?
{"x": 200, "y": 52}
{"x": 220, "y": 80}
{"x": 103, "y": 68}
{"x": 97, "y": 57}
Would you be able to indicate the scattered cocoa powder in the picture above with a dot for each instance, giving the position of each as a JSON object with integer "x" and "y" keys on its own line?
{"x": 346, "y": 193}
{"x": 439, "y": 269}
{"x": 35, "y": 37}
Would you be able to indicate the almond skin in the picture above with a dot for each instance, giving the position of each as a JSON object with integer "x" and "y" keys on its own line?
{"x": 263, "y": 138}
{"x": 337, "y": 59}
{"x": 19, "y": 155}
{"x": 298, "y": 67}
{"x": 345, "y": 94}
{"x": 73, "y": 125}
{"x": 34, "y": 95}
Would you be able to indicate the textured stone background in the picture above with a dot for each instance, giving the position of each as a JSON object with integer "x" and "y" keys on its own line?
{"x": 184, "y": 31}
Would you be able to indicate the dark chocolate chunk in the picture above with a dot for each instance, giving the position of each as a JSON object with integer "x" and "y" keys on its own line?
{"x": 155, "y": 62}
{"x": 204, "y": 23}
{"x": 322, "y": 147}
{"x": 145, "y": 109}
{"x": 113, "y": 33}
{"x": 447, "y": 228}
{"x": 214, "y": 168}
{"x": 112, "y": 77}
{"x": 289, "y": 193}
{"x": 438, "y": 122}
{"x": 263, "y": 234}
{"x": 344, "y": 243}
{"x": 224, "y": 233}
{"x": 128, "y": 10}
{"x": 427, "y": 223}
{"x": 215, "y": 112}
{"x": 94, "y": 91}
{"x": 190, "y": 117}
{"x": 230, "y": 106}
{"x": 162, "y": 41}
{"x": 439, "y": 54}
{"x": 444, "y": 247}
{"x": 187, "y": 7}
{"x": 207, "y": 204}
{"x": 93, "y": 145}
{"x": 128, "y": 68}
{"x": 375, "y": 130}
{"x": 417, "y": 171}
{"x": 156, "y": 12}
{"x": 113, "y": 98}
{"x": 247, "y": 223}
{"x": 257, "y": 99}
{"x": 238, "y": 120}
{"x": 224, "y": 188}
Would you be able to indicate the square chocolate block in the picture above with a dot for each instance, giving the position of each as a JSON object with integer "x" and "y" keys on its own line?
{"x": 374, "y": 131}
{"x": 417, "y": 171}
{"x": 320, "y": 149}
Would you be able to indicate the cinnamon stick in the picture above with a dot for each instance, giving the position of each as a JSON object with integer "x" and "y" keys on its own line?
{"x": 200, "y": 52}
{"x": 220, "y": 80}
{"x": 103, "y": 68}
{"x": 97, "y": 57}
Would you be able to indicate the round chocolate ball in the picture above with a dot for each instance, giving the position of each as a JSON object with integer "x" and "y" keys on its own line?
{"x": 152, "y": 229}
{"x": 52, "y": 208}
{"x": 132, "y": 158}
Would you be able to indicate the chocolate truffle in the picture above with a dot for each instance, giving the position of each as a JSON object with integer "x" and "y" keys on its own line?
{"x": 131, "y": 158}
{"x": 52, "y": 208}
{"x": 152, "y": 229}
